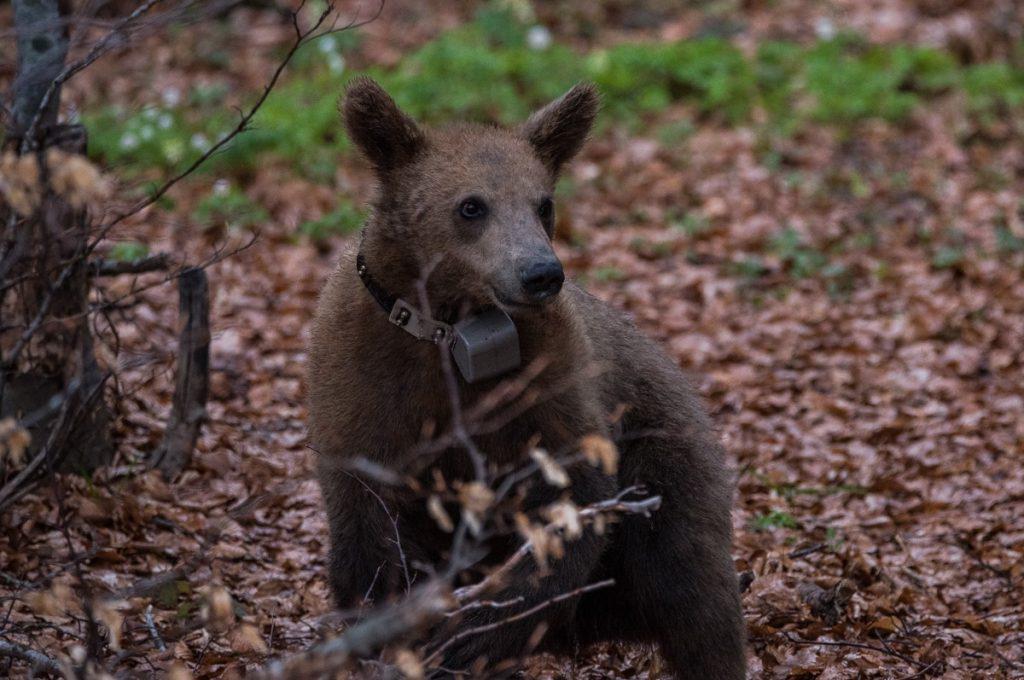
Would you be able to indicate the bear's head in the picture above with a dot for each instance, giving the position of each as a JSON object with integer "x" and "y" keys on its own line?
{"x": 471, "y": 204}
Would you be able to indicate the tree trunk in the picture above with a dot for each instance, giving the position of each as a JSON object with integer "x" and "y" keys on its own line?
{"x": 192, "y": 386}
{"x": 45, "y": 343}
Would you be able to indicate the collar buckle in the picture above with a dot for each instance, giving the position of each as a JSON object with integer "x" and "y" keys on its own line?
{"x": 421, "y": 327}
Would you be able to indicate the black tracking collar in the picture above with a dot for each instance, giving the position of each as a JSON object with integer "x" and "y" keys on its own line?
{"x": 385, "y": 299}
{"x": 482, "y": 346}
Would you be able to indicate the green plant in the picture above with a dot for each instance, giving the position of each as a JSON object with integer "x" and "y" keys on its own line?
{"x": 155, "y": 137}
{"x": 229, "y": 207}
{"x": 801, "y": 260}
{"x": 948, "y": 257}
{"x": 850, "y": 82}
{"x": 608, "y": 274}
{"x": 507, "y": 66}
{"x": 1008, "y": 242}
{"x": 993, "y": 87}
{"x": 693, "y": 223}
{"x": 776, "y": 519}
{"x": 344, "y": 219}
{"x": 127, "y": 251}
{"x": 651, "y": 250}
{"x": 749, "y": 268}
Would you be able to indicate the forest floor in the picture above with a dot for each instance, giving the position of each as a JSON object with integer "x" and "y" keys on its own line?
{"x": 850, "y": 304}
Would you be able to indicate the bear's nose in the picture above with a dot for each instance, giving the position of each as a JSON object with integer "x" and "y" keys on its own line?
{"x": 542, "y": 279}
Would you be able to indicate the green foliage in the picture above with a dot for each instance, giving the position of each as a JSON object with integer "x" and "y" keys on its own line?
{"x": 948, "y": 257}
{"x": 791, "y": 491}
{"x": 799, "y": 259}
{"x": 506, "y": 67}
{"x": 693, "y": 223}
{"x": 128, "y": 251}
{"x": 345, "y": 219}
{"x": 230, "y": 208}
{"x": 500, "y": 77}
{"x": 1008, "y": 242}
{"x": 993, "y": 88}
{"x": 749, "y": 268}
{"x": 850, "y": 84}
{"x": 650, "y": 250}
{"x": 776, "y": 519}
{"x": 155, "y": 137}
{"x": 639, "y": 77}
{"x": 608, "y": 274}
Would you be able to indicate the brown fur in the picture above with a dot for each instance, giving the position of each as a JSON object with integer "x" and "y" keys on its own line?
{"x": 372, "y": 388}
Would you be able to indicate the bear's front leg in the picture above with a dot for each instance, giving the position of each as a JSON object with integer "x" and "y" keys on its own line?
{"x": 496, "y": 634}
{"x": 364, "y": 563}
{"x": 674, "y": 570}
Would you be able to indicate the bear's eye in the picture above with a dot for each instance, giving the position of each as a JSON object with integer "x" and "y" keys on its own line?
{"x": 473, "y": 209}
{"x": 545, "y": 210}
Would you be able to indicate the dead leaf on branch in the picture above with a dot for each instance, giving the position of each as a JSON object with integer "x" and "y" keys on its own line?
{"x": 476, "y": 499}
{"x": 565, "y": 515}
{"x": 554, "y": 474}
{"x": 601, "y": 451}
{"x": 14, "y": 441}
{"x": 544, "y": 544}
{"x": 436, "y": 509}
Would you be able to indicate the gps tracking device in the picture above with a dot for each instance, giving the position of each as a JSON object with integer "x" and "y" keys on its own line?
{"x": 486, "y": 345}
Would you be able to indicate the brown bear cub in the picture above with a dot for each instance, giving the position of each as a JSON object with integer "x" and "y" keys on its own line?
{"x": 472, "y": 205}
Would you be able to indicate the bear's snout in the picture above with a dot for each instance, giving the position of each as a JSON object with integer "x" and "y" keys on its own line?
{"x": 542, "y": 280}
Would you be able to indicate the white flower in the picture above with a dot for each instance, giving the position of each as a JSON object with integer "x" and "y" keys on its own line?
{"x": 221, "y": 187}
{"x": 538, "y": 38}
{"x": 146, "y": 133}
{"x": 200, "y": 142}
{"x": 327, "y": 44}
{"x": 171, "y": 97}
{"x": 165, "y": 121}
{"x": 150, "y": 113}
{"x": 824, "y": 28}
{"x": 129, "y": 141}
{"x": 336, "y": 63}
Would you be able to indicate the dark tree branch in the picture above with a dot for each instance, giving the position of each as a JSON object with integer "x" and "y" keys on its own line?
{"x": 193, "y": 376}
{"x": 152, "y": 263}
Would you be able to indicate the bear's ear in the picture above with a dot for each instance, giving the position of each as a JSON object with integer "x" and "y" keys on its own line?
{"x": 558, "y": 130}
{"x": 387, "y": 137}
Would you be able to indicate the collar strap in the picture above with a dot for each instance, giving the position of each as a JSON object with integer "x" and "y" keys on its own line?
{"x": 400, "y": 312}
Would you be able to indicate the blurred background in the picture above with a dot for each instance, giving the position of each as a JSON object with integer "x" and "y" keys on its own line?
{"x": 814, "y": 205}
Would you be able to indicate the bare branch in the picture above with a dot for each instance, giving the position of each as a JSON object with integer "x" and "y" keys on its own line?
{"x": 520, "y": 616}
{"x": 152, "y": 263}
{"x": 424, "y": 606}
{"x": 153, "y": 632}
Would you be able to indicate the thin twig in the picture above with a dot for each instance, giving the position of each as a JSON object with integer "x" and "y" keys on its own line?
{"x": 518, "y": 617}
{"x": 394, "y": 527}
{"x": 496, "y": 578}
{"x": 153, "y": 632}
{"x": 854, "y": 644}
{"x": 459, "y": 430}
